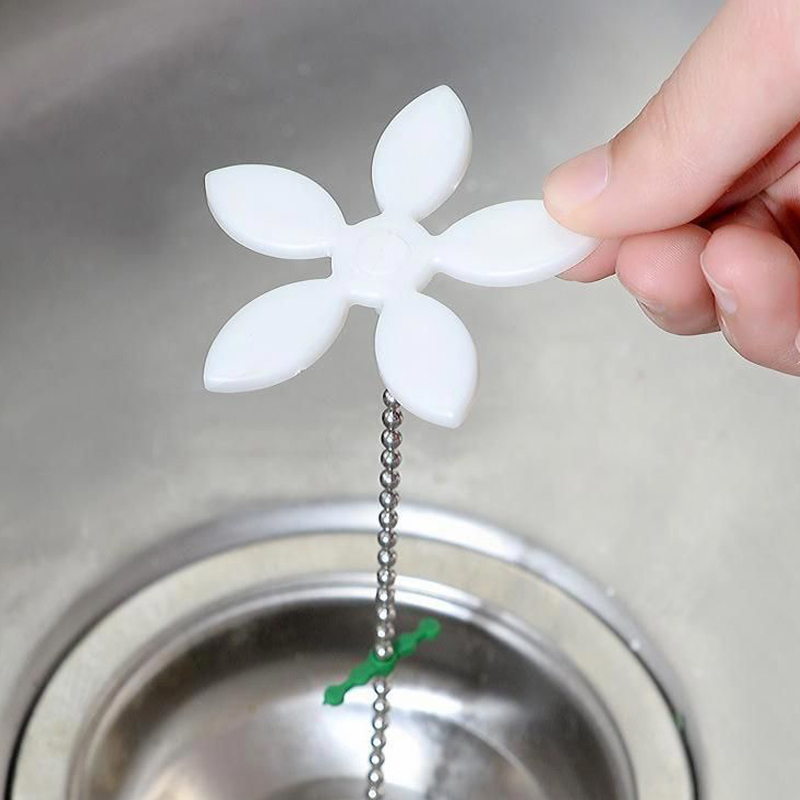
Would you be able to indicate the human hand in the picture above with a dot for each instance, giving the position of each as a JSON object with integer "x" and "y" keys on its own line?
{"x": 698, "y": 199}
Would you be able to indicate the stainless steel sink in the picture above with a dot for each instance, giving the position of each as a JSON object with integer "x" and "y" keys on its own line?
{"x": 231, "y": 707}
{"x": 207, "y": 680}
{"x": 665, "y": 468}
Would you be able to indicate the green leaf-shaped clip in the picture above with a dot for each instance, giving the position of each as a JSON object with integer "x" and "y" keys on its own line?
{"x": 372, "y": 667}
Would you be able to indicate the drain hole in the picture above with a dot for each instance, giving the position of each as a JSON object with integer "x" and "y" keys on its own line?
{"x": 230, "y": 709}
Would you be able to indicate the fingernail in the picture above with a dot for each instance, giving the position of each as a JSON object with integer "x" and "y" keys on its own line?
{"x": 580, "y": 180}
{"x": 724, "y": 296}
{"x": 727, "y": 332}
{"x": 797, "y": 340}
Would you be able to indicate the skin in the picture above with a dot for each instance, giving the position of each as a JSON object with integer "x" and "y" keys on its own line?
{"x": 698, "y": 199}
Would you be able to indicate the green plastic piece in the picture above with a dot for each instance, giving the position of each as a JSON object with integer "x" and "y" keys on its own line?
{"x": 372, "y": 667}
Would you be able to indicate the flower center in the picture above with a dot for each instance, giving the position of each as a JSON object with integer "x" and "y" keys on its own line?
{"x": 382, "y": 257}
{"x": 381, "y": 253}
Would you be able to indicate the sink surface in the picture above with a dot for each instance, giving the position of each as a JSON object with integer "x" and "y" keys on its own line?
{"x": 207, "y": 678}
{"x": 666, "y": 468}
{"x": 233, "y": 711}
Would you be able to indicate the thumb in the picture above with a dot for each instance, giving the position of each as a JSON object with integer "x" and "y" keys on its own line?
{"x": 733, "y": 97}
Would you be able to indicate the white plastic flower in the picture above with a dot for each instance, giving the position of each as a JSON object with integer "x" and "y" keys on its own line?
{"x": 425, "y": 355}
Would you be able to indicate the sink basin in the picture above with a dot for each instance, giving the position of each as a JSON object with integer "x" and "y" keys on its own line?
{"x": 663, "y": 467}
{"x": 207, "y": 681}
{"x": 230, "y": 708}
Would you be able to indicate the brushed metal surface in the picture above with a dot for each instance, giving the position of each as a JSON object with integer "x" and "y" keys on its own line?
{"x": 230, "y": 708}
{"x": 115, "y": 717}
{"x": 671, "y": 464}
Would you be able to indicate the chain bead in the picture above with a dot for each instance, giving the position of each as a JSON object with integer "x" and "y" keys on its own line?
{"x": 392, "y": 418}
{"x": 391, "y": 440}
{"x": 389, "y": 500}
{"x": 384, "y": 596}
{"x": 387, "y": 539}
{"x": 391, "y": 459}
{"x": 386, "y": 613}
{"x": 390, "y": 479}
{"x": 388, "y": 519}
{"x": 384, "y": 651}
{"x": 389, "y": 401}
{"x": 386, "y": 577}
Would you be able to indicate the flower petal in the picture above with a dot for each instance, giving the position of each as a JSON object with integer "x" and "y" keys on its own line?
{"x": 509, "y": 244}
{"x": 275, "y": 337}
{"x": 423, "y": 154}
{"x": 274, "y": 211}
{"x": 427, "y": 359}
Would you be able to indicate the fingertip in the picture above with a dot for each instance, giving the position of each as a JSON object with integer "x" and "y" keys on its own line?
{"x": 755, "y": 279}
{"x": 744, "y": 264}
{"x": 738, "y": 249}
{"x": 664, "y": 265}
{"x": 662, "y": 272}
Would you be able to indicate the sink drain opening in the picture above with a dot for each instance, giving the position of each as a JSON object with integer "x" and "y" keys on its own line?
{"x": 207, "y": 683}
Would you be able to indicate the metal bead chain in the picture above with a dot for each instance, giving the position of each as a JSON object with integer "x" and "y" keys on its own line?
{"x": 385, "y": 610}
{"x": 380, "y": 721}
{"x": 385, "y": 613}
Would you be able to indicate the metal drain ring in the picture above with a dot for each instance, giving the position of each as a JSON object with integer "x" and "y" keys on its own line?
{"x": 660, "y": 762}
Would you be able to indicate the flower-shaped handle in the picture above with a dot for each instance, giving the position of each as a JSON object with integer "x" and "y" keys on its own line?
{"x": 425, "y": 355}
